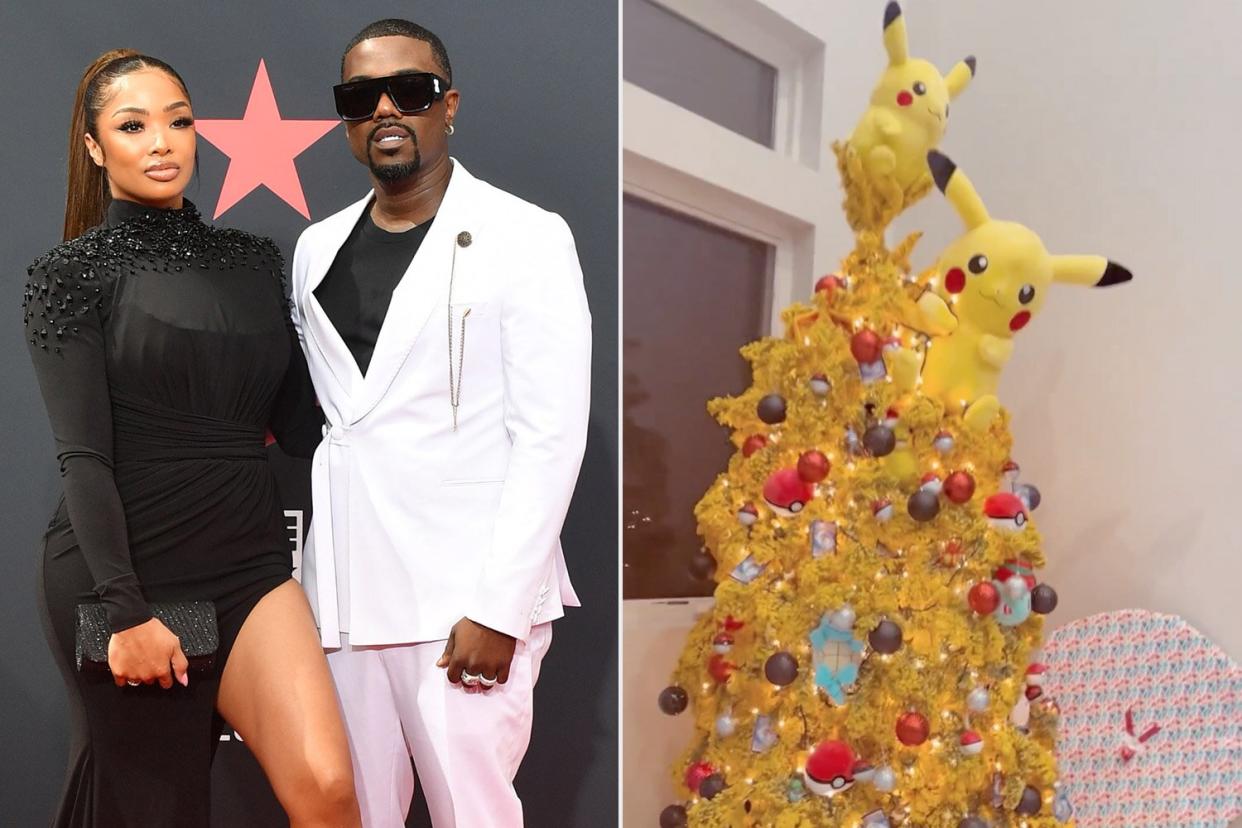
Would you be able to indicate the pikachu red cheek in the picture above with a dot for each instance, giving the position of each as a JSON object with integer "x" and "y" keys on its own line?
{"x": 955, "y": 280}
{"x": 904, "y": 98}
{"x": 1019, "y": 320}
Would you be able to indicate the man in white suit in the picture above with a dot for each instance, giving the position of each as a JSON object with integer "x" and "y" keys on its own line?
{"x": 448, "y": 336}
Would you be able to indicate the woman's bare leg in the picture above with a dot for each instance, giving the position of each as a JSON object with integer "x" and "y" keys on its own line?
{"x": 277, "y": 693}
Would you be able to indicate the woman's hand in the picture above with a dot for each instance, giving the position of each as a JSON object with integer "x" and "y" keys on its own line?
{"x": 146, "y": 654}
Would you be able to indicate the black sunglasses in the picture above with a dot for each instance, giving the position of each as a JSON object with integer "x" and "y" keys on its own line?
{"x": 410, "y": 93}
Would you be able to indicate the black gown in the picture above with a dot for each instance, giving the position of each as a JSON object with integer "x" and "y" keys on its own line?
{"x": 164, "y": 352}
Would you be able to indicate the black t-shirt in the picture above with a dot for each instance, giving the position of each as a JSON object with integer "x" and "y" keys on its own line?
{"x": 358, "y": 288}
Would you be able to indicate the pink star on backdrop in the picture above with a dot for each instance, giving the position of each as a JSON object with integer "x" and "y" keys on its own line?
{"x": 261, "y": 148}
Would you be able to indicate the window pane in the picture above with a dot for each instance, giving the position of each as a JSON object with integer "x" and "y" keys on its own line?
{"x": 694, "y": 295}
{"x": 675, "y": 59}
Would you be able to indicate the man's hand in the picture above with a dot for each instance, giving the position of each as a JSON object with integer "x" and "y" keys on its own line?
{"x": 478, "y": 650}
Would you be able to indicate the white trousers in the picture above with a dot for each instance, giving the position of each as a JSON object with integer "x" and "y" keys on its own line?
{"x": 466, "y": 744}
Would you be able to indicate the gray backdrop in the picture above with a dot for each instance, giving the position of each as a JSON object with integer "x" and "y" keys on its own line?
{"x": 538, "y": 118}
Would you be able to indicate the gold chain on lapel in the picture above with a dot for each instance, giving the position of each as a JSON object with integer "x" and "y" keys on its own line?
{"x": 463, "y": 240}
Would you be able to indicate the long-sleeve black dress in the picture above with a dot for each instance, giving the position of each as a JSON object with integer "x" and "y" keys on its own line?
{"x": 164, "y": 352}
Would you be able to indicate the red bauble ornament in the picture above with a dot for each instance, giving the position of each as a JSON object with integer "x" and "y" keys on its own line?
{"x": 865, "y": 346}
{"x": 984, "y": 598}
{"x": 959, "y": 487}
{"x": 912, "y": 729}
{"x": 827, "y": 284}
{"x": 753, "y": 443}
{"x": 696, "y": 773}
{"x": 813, "y": 466}
{"x": 720, "y": 668}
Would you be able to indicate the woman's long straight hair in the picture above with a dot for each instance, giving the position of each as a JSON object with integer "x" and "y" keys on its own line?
{"x": 87, "y": 194}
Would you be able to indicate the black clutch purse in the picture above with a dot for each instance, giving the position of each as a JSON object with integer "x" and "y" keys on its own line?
{"x": 194, "y": 622}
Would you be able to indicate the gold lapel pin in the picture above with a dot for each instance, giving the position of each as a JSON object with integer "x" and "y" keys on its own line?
{"x": 464, "y": 238}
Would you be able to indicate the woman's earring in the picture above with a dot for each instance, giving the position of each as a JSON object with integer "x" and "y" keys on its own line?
{"x": 449, "y": 130}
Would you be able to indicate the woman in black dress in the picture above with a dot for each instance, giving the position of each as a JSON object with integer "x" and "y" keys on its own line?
{"x": 164, "y": 351}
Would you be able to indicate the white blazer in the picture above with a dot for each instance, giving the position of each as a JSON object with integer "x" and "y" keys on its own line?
{"x": 439, "y": 523}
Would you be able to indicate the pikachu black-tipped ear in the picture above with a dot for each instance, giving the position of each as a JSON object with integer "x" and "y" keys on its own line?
{"x": 959, "y": 77}
{"x": 895, "y": 42}
{"x": 957, "y": 189}
{"x": 1090, "y": 271}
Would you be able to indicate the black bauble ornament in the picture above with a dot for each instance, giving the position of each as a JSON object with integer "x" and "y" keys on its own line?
{"x": 879, "y": 440}
{"x": 674, "y": 816}
{"x": 673, "y": 700}
{"x": 885, "y": 638}
{"x": 781, "y": 669}
{"x": 772, "y": 409}
{"x": 1043, "y": 599}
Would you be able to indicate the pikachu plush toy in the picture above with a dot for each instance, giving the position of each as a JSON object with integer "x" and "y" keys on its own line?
{"x": 908, "y": 110}
{"x": 992, "y": 281}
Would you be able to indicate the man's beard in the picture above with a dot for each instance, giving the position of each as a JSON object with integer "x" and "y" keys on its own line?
{"x": 400, "y": 170}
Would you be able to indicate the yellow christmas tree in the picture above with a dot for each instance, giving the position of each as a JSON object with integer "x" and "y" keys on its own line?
{"x": 868, "y": 658}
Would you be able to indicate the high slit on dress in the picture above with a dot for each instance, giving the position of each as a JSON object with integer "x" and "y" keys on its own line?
{"x": 164, "y": 353}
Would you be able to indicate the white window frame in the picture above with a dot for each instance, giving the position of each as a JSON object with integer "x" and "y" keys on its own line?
{"x": 787, "y": 196}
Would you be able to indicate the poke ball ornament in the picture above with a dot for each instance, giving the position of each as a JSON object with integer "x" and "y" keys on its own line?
{"x": 1009, "y": 474}
{"x": 1043, "y": 599}
{"x": 971, "y": 743}
{"x": 747, "y": 515}
{"x": 983, "y": 598}
{"x": 943, "y": 442}
{"x": 1006, "y": 512}
{"x": 1035, "y": 680}
{"x": 829, "y": 769}
{"x": 959, "y": 487}
{"x": 753, "y": 443}
{"x": 879, "y": 440}
{"x": 786, "y": 492}
{"x": 912, "y": 729}
{"x": 772, "y": 409}
{"x": 722, "y": 643}
{"x": 1030, "y": 803}
{"x": 674, "y": 816}
{"x": 931, "y": 482}
{"x": 866, "y": 346}
{"x": 820, "y": 385}
{"x": 813, "y": 466}
{"x": 923, "y": 505}
{"x": 781, "y": 669}
{"x": 673, "y": 700}
{"x": 882, "y": 510}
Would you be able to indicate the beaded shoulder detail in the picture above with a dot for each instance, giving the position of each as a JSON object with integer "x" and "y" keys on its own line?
{"x": 77, "y": 277}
